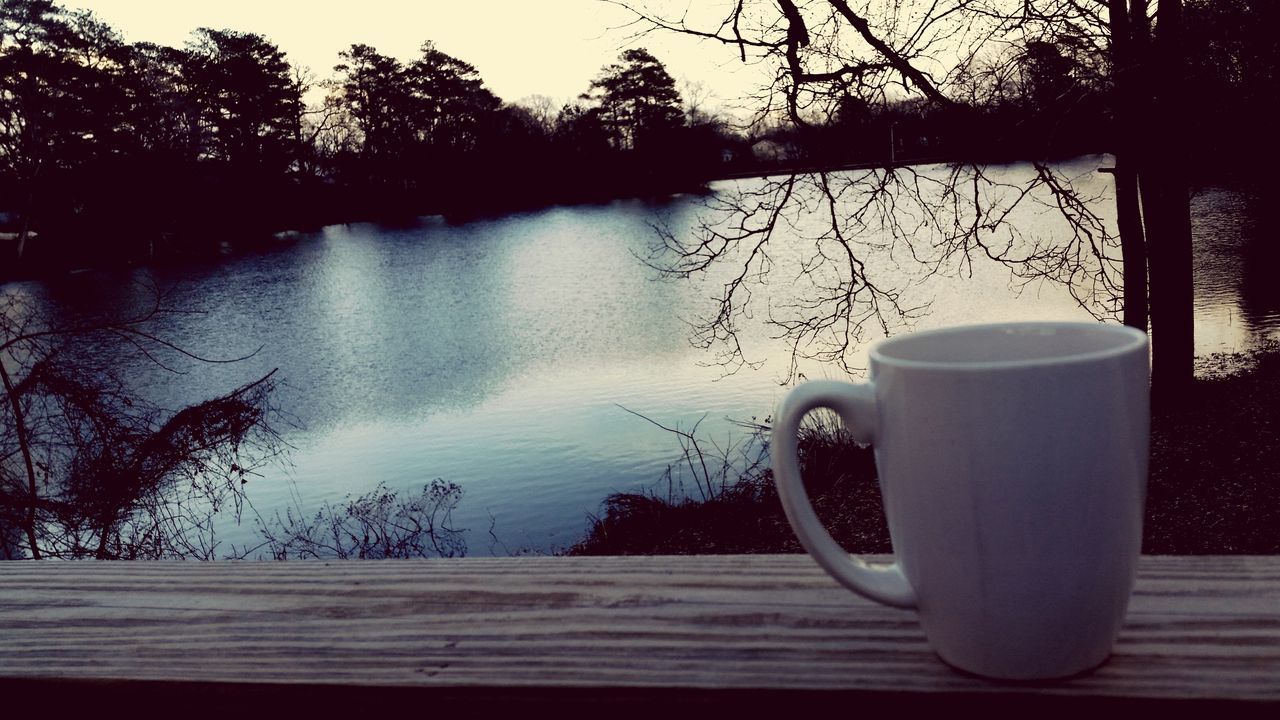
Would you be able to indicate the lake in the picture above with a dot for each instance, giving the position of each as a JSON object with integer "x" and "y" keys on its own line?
{"x": 504, "y": 354}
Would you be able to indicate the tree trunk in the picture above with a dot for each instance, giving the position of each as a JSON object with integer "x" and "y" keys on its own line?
{"x": 20, "y": 427}
{"x": 1166, "y": 207}
{"x": 1149, "y": 112}
{"x": 29, "y": 204}
{"x": 1133, "y": 245}
{"x": 24, "y": 232}
{"x": 1168, "y": 223}
{"x": 1129, "y": 107}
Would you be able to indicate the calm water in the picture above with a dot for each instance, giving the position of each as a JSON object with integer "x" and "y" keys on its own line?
{"x": 499, "y": 354}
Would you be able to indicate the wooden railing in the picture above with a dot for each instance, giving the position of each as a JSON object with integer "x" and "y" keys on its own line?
{"x": 609, "y": 635}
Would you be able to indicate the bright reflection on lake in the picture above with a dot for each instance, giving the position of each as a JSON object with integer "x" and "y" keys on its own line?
{"x": 496, "y": 354}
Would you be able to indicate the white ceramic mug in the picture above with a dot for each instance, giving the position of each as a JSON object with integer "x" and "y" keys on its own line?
{"x": 1013, "y": 465}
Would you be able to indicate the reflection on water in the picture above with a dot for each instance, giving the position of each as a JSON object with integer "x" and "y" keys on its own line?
{"x": 1237, "y": 297}
{"x": 495, "y": 354}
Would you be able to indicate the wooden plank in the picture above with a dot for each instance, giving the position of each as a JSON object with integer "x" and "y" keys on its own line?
{"x": 680, "y": 628}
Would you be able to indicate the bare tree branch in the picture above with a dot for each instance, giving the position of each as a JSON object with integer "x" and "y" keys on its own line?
{"x": 952, "y": 56}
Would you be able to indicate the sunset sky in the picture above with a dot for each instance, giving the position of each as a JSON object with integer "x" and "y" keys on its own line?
{"x": 520, "y": 47}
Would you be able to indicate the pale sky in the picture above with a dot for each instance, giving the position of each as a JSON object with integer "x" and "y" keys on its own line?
{"x": 520, "y": 47}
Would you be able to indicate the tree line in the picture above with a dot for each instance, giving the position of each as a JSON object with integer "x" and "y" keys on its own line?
{"x": 113, "y": 151}
{"x": 117, "y": 151}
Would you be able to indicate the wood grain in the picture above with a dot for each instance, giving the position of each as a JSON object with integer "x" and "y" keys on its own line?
{"x": 1205, "y": 628}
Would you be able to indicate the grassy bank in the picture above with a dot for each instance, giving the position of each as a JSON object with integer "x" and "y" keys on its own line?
{"x": 1214, "y": 486}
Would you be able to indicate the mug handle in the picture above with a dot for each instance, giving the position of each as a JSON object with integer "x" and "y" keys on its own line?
{"x": 856, "y": 405}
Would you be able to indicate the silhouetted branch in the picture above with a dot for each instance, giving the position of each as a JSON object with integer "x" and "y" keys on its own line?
{"x": 834, "y": 57}
{"x": 103, "y": 472}
{"x": 379, "y": 524}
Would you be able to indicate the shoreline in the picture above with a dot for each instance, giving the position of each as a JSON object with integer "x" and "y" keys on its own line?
{"x": 1213, "y": 488}
{"x": 176, "y": 247}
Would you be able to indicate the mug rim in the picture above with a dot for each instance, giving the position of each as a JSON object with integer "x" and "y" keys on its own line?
{"x": 1135, "y": 340}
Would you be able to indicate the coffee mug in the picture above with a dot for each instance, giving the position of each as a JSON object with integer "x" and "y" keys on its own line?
{"x": 1013, "y": 466}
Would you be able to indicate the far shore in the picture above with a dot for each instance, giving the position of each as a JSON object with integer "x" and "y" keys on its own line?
{"x": 209, "y": 238}
{"x": 316, "y": 205}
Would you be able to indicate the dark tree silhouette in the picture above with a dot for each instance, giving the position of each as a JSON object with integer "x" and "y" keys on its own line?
{"x": 247, "y": 98}
{"x": 55, "y": 98}
{"x": 451, "y": 105}
{"x": 437, "y": 101}
{"x": 162, "y": 118}
{"x": 637, "y": 100}
{"x": 90, "y": 469}
{"x": 423, "y": 131}
{"x": 1234, "y": 76}
{"x": 582, "y": 129}
{"x": 117, "y": 148}
{"x": 372, "y": 89}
